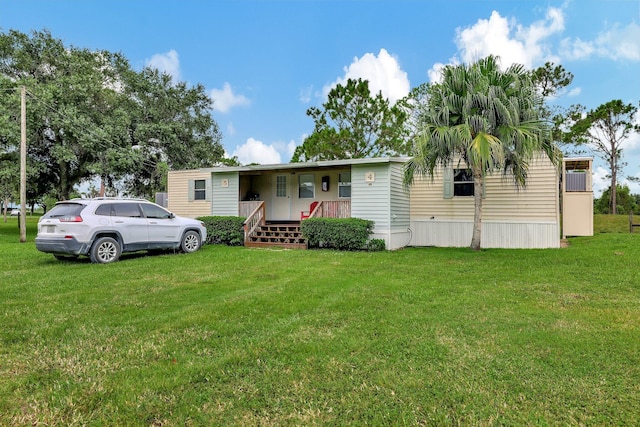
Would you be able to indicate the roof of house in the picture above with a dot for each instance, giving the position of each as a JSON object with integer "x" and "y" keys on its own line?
{"x": 306, "y": 165}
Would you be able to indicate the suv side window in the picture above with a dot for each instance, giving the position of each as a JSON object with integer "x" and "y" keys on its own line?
{"x": 152, "y": 211}
{"x": 104, "y": 210}
{"x": 127, "y": 210}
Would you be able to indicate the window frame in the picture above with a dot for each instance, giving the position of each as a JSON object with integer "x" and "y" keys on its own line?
{"x": 463, "y": 185}
{"x": 344, "y": 184}
{"x": 308, "y": 185}
{"x": 125, "y": 210}
{"x": 199, "y": 193}
{"x": 281, "y": 186}
{"x": 151, "y": 211}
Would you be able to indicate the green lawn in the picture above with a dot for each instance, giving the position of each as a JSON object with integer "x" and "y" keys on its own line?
{"x": 236, "y": 336}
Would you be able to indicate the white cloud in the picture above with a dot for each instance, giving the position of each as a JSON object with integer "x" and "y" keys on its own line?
{"x": 167, "y": 63}
{"x": 254, "y": 151}
{"x": 600, "y": 182}
{"x": 291, "y": 148}
{"x": 305, "y": 94}
{"x": 634, "y": 186}
{"x": 435, "y": 73}
{"x": 383, "y": 73}
{"x": 224, "y": 99}
{"x": 632, "y": 143}
{"x": 575, "y": 91}
{"x": 620, "y": 43}
{"x": 616, "y": 43}
{"x": 576, "y": 49}
{"x": 231, "y": 130}
{"x": 512, "y": 42}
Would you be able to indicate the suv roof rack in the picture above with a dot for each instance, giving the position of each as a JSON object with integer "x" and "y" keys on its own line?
{"x": 107, "y": 198}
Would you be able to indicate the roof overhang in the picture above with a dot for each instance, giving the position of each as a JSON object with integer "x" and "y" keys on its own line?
{"x": 577, "y": 163}
{"x": 328, "y": 164}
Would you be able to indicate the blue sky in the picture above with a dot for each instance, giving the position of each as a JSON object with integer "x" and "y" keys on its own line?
{"x": 266, "y": 62}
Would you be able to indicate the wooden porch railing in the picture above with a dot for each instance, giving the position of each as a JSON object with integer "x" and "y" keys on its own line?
{"x": 255, "y": 218}
{"x": 332, "y": 209}
{"x": 246, "y": 208}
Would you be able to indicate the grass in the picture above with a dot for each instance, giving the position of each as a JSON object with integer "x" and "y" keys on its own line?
{"x": 237, "y": 336}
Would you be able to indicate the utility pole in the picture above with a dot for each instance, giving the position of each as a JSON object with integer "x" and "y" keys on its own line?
{"x": 23, "y": 164}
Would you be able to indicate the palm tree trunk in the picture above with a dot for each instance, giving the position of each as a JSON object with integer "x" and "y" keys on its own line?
{"x": 478, "y": 185}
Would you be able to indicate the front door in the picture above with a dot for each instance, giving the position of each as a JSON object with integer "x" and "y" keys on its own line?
{"x": 281, "y": 203}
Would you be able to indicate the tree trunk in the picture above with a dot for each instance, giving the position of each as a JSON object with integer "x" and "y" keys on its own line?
{"x": 478, "y": 187}
{"x": 614, "y": 187}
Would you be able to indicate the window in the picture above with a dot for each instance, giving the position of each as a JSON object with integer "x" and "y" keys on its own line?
{"x": 281, "y": 186}
{"x": 462, "y": 182}
{"x": 127, "y": 210}
{"x": 65, "y": 210}
{"x": 306, "y": 187}
{"x": 344, "y": 184}
{"x": 153, "y": 211}
{"x": 199, "y": 189}
{"x": 104, "y": 210}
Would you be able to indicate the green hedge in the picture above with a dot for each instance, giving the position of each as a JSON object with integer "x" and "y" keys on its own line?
{"x": 348, "y": 234}
{"x": 225, "y": 230}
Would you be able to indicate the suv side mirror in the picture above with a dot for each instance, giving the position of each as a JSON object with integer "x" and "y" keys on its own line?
{"x": 171, "y": 215}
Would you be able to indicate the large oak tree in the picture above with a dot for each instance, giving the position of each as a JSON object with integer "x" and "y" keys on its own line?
{"x": 90, "y": 114}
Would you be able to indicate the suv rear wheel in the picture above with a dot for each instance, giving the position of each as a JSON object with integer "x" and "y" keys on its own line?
{"x": 105, "y": 250}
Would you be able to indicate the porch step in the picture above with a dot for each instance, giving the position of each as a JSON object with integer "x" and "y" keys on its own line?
{"x": 277, "y": 235}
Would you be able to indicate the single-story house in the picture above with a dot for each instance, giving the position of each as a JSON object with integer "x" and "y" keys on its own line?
{"x": 433, "y": 212}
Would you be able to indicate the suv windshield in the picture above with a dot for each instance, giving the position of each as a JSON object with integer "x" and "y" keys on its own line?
{"x": 65, "y": 209}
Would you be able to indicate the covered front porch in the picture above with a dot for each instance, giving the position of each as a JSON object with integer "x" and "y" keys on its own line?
{"x": 262, "y": 232}
{"x": 270, "y": 195}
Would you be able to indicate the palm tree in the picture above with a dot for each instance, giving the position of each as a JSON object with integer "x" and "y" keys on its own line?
{"x": 485, "y": 118}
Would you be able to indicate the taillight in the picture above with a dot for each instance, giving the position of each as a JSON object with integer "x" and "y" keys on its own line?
{"x": 70, "y": 218}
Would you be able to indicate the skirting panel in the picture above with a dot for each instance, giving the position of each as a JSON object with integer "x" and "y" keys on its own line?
{"x": 394, "y": 239}
{"x": 516, "y": 235}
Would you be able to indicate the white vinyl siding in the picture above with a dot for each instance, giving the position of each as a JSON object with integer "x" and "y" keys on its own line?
{"x": 225, "y": 194}
{"x": 400, "y": 202}
{"x": 371, "y": 200}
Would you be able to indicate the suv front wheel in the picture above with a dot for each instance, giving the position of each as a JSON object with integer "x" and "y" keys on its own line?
{"x": 190, "y": 242}
{"x": 105, "y": 250}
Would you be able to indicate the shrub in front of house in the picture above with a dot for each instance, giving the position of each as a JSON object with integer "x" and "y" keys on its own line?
{"x": 346, "y": 234}
{"x": 224, "y": 230}
{"x": 376, "y": 245}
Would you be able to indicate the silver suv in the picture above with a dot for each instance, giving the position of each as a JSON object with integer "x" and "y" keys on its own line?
{"x": 104, "y": 228}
